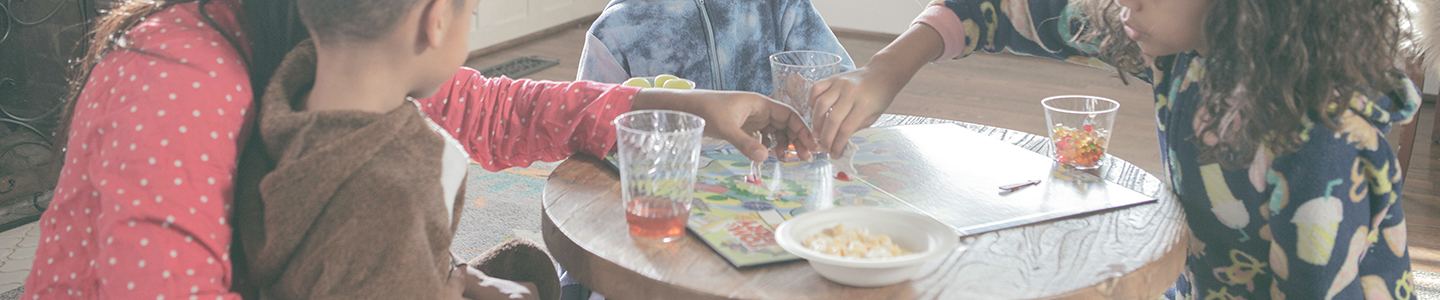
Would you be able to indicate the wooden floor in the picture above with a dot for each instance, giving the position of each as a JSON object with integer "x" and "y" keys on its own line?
{"x": 1005, "y": 91}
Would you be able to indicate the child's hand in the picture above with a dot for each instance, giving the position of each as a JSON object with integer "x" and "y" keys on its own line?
{"x": 734, "y": 117}
{"x": 853, "y": 100}
{"x": 850, "y": 101}
{"x": 479, "y": 286}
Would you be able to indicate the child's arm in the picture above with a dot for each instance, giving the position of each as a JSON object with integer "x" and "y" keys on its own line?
{"x": 868, "y": 91}
{"x": 1039, "y": 28}
{"x": 506, "y": 122}
{"x": 948, "y": 29}
{"x": 1334, "y": 218}
{"x": 598, "y": 64}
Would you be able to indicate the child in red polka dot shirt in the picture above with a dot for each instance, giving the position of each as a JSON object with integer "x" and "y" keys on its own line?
{"x": 141, "y": 209}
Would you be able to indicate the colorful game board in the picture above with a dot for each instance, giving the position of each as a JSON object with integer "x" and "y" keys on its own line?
{"x": 945, "y": 171}
{"x": 737, "y": 218}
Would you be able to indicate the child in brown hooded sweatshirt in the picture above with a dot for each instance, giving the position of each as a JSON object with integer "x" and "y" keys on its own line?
{"x": 350, "y": 191}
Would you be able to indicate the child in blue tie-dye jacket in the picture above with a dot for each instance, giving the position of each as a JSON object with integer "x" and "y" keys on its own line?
{"x": 721, "y": 45}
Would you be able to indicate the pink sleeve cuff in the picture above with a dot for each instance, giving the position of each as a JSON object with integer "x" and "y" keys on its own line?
{"x": 944, "y": 21}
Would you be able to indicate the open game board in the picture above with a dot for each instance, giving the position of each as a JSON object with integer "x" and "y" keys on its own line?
{"x": 943, "y": 170}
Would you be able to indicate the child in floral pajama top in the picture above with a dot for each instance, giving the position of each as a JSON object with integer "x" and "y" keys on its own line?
{"x": 1319, "y": 220}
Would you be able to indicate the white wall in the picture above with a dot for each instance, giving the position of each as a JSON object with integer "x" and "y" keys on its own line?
{"x": 497, "y": 21}
{"x": 883, "y": 16}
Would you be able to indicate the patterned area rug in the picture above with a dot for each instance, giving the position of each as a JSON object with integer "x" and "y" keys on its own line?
{"x": 500, "y": 206}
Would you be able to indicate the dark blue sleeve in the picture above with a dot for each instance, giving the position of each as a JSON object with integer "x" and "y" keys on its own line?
{"x": 1046, "y": 28}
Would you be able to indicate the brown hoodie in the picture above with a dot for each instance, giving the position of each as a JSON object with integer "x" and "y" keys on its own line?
{"x": 343, "y": 204}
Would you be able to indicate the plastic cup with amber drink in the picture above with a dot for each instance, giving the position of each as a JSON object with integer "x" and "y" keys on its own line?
{"x": 1080, "y": 128}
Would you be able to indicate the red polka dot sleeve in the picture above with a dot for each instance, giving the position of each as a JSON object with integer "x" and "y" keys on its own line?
{"x": 507, "y": 122}
{"x": 141, "y": 207}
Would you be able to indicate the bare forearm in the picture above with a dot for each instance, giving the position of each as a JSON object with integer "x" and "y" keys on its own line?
{"x": 905, "y": 56}
{"x": 668, "y": 99}
{"x": 681, "y": 100}
{"x": 853, "y": 100}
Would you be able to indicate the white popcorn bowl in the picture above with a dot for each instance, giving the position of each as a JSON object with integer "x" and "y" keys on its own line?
{"x": 925, "y": 239}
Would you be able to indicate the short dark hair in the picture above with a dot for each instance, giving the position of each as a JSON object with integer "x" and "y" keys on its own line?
{"x": 331, "y": 20}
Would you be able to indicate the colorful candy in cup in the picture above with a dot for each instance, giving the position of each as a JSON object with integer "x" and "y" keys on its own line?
{"x": 1080, "y": 147}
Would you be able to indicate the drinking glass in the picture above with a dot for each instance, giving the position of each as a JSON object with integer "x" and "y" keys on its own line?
{"x": 659, "y": 153}
{"x": 793, "y": 73}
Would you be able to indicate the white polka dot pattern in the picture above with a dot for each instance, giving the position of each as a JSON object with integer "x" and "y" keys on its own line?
{"x": 141, "y": 105}
{"x": 495, "y": 109}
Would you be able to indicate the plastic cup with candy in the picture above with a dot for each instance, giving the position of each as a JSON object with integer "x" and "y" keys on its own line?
{"x": 1080, "y": 128}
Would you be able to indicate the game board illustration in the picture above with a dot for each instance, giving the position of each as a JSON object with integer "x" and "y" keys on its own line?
{"x": 945, "y": 171}
{"x": 737, "y": 218}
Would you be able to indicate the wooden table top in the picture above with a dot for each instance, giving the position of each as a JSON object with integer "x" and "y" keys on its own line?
{"x": 1130, "y": 253}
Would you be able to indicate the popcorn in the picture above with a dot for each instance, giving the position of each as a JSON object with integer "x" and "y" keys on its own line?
{"x": 846, "y": 242}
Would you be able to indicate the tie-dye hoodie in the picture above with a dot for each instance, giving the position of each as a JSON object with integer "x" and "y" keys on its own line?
{"x": 720, "y": 44}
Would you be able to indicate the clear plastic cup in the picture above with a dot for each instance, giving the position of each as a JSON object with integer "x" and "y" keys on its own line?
{"x": 793, "y": 73}
{"x": 1080, "y": 128}
{"x": 659, "y": 153}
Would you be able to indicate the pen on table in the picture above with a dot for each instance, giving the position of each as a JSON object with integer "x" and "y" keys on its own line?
{"x": 1015, "y": 187}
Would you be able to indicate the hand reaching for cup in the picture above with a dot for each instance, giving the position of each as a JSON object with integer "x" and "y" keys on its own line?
{"x": 848, "y": 102}
{"x": 735, "y": 117}
{"x": 853, "y": 100}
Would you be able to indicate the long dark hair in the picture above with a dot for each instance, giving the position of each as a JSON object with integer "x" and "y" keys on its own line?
{"x": 271, "y": 27}
{"x": 1274, "y": 67}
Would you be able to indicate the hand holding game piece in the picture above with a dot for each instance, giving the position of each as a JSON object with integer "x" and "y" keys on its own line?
{"x": 850, "y": 101}
{"x": 734, "y": 116}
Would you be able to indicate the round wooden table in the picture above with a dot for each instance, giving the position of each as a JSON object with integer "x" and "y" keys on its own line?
{"x": 1130, "y": 253}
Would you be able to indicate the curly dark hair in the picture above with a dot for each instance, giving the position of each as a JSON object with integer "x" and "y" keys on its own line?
{"x": 1272, "y": 66}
